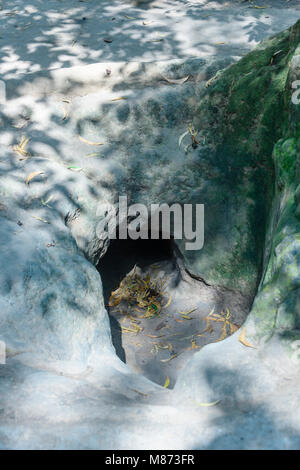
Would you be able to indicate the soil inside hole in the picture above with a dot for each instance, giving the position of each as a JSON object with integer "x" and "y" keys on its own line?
{"x": 190, "y": 314}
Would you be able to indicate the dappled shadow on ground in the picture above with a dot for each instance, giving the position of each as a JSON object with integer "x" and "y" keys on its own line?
{"x": 53, "y": 35}
{"x": 70, "y": 171}
{"x": 245, "y": 418}
{"x": 67, "y": 183}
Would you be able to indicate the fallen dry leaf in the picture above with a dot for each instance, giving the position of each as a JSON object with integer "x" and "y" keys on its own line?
{"x": 188, "y": 312}
{"x": 65, "y": 115}
{"x": 119, "y": 98}
{"x": 93, "y": 154}
{"x": 33, "y": 175}
{"x": 20, "y": 148}
{"x": 88, "y": 142}
{"x": 167, "y": 382}
{"x": 176, "y": 81}
{"x": 168, "y": 303}
{"x": 46, "y": 203}
{"x": 182, "y": 137}
{"x": 243, "y": 340}
{"x": 155, "y": 336}
{"x": 169, "y": 359}
{"x": 207, "y": 404}
{"x": 186, "y": 317}
{"x": 135, "y": 329}
{"x": 40, "y": 219}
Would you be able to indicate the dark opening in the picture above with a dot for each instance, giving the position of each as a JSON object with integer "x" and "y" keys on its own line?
{"x": 158, "y": 341}
{"x": 120, "y": 259}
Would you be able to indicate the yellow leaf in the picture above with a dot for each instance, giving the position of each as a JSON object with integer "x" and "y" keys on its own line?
{"x": 167, "y": 382}
{"x": 129, "y": 330}
{"x": 20, "y": 148}
{"x": 223, "y": 334}
{"x": 88, "y": 142}
{"x": 169, "y": 359}
{"x": 33, "y": 175}
{"x": 168, "y": 303}
{"x": 243, "y": 340}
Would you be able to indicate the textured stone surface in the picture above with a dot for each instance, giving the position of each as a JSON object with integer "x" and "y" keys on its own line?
{"x": 62, "y": 371}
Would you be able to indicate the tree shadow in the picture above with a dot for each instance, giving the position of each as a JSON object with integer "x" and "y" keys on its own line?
{"x": 58, "y": 35}
{"x": 246, "y": 419}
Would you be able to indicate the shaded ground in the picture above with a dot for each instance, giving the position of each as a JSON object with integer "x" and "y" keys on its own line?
{"x": 53, "y": 34}
{"x": 84, "y": 397}
{"x": 54, "y": 39}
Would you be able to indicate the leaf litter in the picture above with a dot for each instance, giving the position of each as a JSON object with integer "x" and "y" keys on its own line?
{"x": 20, "y": 148}
{"x": 141, "y": 298}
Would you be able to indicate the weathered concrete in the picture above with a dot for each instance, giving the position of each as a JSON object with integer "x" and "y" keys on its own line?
{"x": 62, "y": 371}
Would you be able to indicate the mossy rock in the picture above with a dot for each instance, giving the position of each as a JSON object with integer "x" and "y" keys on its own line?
{"x": 252, "y": 126}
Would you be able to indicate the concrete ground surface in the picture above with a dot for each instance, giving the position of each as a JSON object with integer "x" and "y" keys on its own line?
{"x": 63, "y": 386}
{"x": 64, "y": 33}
